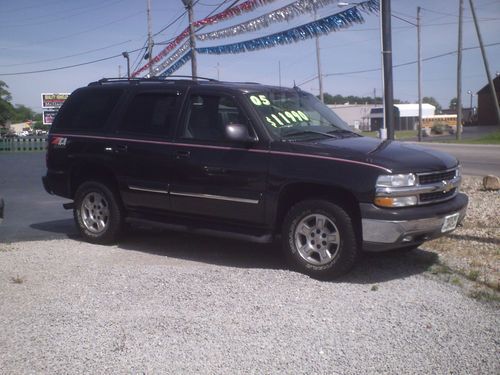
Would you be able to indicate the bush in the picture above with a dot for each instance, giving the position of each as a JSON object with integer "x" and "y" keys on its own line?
{"x": 438, "y": 128}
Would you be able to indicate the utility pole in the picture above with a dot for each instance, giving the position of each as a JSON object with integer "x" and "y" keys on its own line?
{"x": 459, "y": 70}
{"x": 150, "y": 39}
{"x": 486, "y": 66}
{"x": 119, "y": 71}
{"x": 127, "y": 57}
{"x": 192, "y": 41}
{"x": 385, "y": 15}
{"x": 320, "y": 74}
{"x": 279, "y": 72}
{"x": 419, "y": 69}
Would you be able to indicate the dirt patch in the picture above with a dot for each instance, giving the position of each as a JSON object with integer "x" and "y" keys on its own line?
{"x": 473, "y": 249}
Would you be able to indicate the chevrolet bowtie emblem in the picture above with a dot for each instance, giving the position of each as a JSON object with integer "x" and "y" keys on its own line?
{"x": 446, "y": 186}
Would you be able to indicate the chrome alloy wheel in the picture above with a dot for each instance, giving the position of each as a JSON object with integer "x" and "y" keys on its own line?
{"x": 95, "y": 212}
{"x": 317, "y": 239}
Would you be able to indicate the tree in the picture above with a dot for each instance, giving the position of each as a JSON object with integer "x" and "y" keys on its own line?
{"x": 6, "y": 109}
{"x": 432, "y": 101}
{"x": 453, "y": 104}
{"x": 23, "y": 113}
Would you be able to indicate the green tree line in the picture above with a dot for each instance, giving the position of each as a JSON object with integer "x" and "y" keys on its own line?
{"x": 353, "y": 99}
{"x": 10, "y": 113}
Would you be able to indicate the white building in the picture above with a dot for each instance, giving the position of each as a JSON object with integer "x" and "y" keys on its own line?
{"x": 406, "y": 116}
{"x": 357, "y": 116}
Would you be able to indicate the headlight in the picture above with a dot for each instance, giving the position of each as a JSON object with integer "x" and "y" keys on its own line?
{"x": 397, "y": 180}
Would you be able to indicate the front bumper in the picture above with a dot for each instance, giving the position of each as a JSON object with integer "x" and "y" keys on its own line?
{"x": 386, "y": 229}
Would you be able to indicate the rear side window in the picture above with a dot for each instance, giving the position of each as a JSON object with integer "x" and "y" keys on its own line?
{"x": 87, "y": 110}
{"x": 150, "y": 114}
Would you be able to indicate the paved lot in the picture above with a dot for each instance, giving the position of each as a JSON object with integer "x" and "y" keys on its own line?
{"x": 30, "y": 213}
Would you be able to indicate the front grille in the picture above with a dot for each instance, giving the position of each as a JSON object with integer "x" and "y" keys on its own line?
{"x": 436, "y": 177}
{"x": 435, "y": 197}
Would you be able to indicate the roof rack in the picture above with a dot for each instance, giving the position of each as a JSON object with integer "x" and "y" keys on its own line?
{"x": 152, "y": 79}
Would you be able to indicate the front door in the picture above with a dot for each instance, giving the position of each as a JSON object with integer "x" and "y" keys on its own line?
{"x": 212, "y": 176}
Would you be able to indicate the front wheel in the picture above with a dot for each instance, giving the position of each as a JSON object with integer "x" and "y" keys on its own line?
{"x": 319, "y": 239}
{"x": 97, "y": 212}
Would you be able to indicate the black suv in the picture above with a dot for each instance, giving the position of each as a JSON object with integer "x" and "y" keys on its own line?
{"x": 247, "y": 161}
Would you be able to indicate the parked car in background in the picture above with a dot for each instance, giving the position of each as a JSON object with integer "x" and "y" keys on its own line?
{"x": 247, "y": 161}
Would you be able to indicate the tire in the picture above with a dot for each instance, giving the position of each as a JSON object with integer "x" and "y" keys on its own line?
{"x": 319, "y": 239}
{"x": 98, "y": 213}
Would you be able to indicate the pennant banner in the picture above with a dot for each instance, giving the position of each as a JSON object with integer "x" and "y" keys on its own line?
{"x": 244, "y": 7}
{"x": 184, "y": 59}
{"x": 173, "y": 57}
{"x": 310, "y": 30}
{"x": 284, "y": 14}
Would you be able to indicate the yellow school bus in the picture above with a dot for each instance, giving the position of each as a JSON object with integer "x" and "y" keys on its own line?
{"x": 449, "y": 122}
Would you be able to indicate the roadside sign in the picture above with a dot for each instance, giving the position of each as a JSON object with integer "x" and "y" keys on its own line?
{"x": 48, "y": 116}
{"x": 53, "y": 100}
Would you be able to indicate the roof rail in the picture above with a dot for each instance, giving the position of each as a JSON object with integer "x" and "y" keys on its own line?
{"x": 152, "y": 79}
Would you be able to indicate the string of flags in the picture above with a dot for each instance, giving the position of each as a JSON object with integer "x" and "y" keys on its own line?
{"x": 245, "y": 7}
{"x": 323, "y": 26}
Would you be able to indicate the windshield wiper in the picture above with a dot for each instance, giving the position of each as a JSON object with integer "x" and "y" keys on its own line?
{"x": 300, "y": 132}
{"x": 343, "y": 131}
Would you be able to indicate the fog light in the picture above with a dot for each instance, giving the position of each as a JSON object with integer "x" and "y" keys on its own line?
{"x": 396, "y": 201}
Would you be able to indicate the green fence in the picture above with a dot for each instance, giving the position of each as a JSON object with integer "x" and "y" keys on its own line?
{"x": 23, "y": 144}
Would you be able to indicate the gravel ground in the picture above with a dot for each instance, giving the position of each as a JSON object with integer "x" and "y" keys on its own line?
{"x": 173, "y": 303}
{"x": 473, "y": 249}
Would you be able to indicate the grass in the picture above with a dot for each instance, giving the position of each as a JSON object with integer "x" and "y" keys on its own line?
{"x": 473, "y": 275}
{"x": 399, "y": 134}
{"x": 17, "y": 280}
{"x": 488, "y": 139}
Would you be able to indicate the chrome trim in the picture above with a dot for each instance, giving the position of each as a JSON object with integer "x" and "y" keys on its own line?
{"x": 217, "y": 197}
{"x": 148, "y": 190}
{"x": 443, "y": 186}
{"x": 386, "y": 231}
{"x": 437, "y": 172}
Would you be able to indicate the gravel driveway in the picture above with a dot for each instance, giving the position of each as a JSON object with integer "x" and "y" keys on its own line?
{"x": 163, "y": 302}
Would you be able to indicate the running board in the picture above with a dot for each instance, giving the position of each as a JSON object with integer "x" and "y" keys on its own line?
{"x": 250, "y": 237}
{"x": 69, "y": 205}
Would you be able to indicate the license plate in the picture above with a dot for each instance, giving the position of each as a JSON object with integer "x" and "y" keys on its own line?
{"x": 450, "y": 222}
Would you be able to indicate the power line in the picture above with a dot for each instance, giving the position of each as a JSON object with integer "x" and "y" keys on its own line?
{"x": 65, "y": 17}
{"x": 67, "y": 36}
{"x": 397, "y": 65}
{"x": 68, "y": 56}
{"x": 67, "y": 66}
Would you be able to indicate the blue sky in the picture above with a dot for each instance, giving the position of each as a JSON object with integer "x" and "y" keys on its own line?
{"x": 38, "y": 35}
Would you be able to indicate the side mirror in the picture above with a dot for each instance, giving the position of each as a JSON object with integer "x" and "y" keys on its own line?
{"x": 238, "y": 133}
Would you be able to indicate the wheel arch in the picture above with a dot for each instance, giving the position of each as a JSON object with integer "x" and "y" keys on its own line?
{"x": 296, "y": 192}
{"x": 92, "y": 171}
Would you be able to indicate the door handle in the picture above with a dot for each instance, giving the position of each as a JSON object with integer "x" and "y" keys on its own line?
{"x": 182, "y": 154}
{"x": 214, "y": 170}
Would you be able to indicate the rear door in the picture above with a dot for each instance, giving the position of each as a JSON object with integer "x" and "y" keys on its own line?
{"x": 212, "y": 176}
{"x": 142, "y": 146}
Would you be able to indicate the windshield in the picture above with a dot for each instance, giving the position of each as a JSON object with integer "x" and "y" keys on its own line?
{"x": 294, "y": 114}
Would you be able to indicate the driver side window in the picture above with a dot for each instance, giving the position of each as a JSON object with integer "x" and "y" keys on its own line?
{"x": 208, "y": 116}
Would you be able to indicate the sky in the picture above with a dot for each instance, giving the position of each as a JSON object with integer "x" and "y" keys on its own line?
{"x": 37, "y": 35}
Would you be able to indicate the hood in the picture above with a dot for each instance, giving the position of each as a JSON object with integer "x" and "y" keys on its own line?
{"x": 399, "y": 157}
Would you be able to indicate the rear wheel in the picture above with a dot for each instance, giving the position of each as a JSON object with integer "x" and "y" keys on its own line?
{"x": 319, "y": 239}
{"x": 97, "y": 212}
